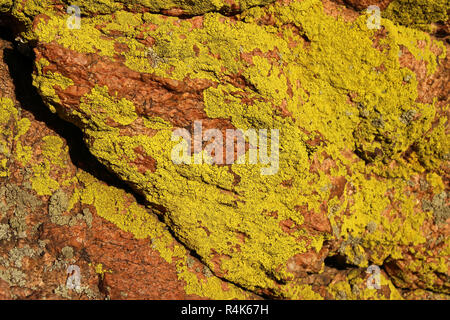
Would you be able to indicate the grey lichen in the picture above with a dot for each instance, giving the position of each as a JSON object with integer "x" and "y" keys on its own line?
{"x": 378, "y": 122}
{"x": 13, "y": 276}
{"x": 4, "y": 262}
{"x": 371, "y": 226}
{"x": 358, "y": 256}
{"x": 207, "y": 272}
{"x": 341, "y": 295}
{"x": 87, "y": 215}
{"x": 190, "y": 262}
{"x": 336, "y": 231}
{"x": 91, "y": 294}
{"x": 355, "y": 290}
{"x": 62, "y": 291}
{"x": 4, "y": 207}
{"x": 407, "y": 78}
{"x": 5, "y": 232}
{"x": 17, "y": 254}
{"x": 441, "y": 211}
{"x": 154, "y": 58}
{"x": 23, "y": 203}
{"x": 58, "y": 204}
{"x": 408, "y": 116}
{"x": 67, "y": 252}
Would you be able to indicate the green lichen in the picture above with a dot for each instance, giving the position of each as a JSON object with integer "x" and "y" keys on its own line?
{"x": 8, "y": 116}
{"x": 6, "y": 5}
{"x": 418, "y": 13}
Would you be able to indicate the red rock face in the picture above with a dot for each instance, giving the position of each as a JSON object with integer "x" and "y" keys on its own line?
{"x": 42, "y": 233}
{"x": 36, "y": 248}
{"x": 178, "y": 102}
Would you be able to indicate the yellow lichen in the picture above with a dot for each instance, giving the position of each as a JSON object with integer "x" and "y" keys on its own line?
{"x": 100, "y": 271}
{"x": 116, "y": 206}
{"x": 313, "y": 82}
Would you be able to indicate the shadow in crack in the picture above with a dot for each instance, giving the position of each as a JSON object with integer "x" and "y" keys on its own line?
{"x": 21, "y": 68}
{"x": 338, "y": 262}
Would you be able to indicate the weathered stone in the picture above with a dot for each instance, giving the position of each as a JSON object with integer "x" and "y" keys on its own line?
{"x": 37, "y": 244}
{"x": 356, "y": 138}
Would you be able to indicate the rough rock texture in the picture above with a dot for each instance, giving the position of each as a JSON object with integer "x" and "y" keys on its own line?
{"x": 41, "y": 235}
{"x": 364, "y": 149}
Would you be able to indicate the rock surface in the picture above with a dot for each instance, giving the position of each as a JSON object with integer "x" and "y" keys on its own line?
{"x": 41, "y": 235}
{"x": 361, "y": 179}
